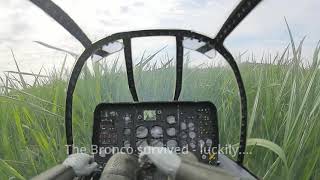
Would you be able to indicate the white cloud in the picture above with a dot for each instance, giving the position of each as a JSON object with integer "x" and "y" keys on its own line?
{"x": 264, "y": 30}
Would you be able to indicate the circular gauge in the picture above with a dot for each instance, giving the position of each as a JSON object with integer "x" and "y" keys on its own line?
{"x": 156, "y": 132}
{"x": 192, "y": 134}
{"x": 156, "y": 143}
{"x": 183, "y": 126}
{"x": 141, "y": 132}
{"x": 172, "y": 143}
{"x": 126, "y": 143}
{"x": 209, "y": 142}
{"x": 201, "y": 143}
{"x": 171, "y": 131}
{"x": 203, "y": 156}
{"x": 127, "y": 132}
{"x": 171, "y": 120}
{"x": 183, "y": 135}
{"x": 142, "y": 143}
{"x": 192, "y": 144}
{"x": 191, "y": 126}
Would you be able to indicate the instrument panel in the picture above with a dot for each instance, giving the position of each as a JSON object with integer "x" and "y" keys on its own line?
{"x": 180, "y": 126}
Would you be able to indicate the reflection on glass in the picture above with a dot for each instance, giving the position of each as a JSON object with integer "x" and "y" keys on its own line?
{"x": 113, "y": 47}
{"x": 192, "y": 44}
{"x": 211, "y": 54}
{"x": 107, "y": 49}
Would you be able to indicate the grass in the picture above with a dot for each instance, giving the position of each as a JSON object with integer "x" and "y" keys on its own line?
{"x": 283, "y": 96}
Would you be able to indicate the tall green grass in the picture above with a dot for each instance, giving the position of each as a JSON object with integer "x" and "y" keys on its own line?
{"x": 284, "y": 113}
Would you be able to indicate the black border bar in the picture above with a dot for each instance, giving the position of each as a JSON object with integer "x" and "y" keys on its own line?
{"x": 55, "y": 12}
{"x": 130, "y": 76}
{"x": 179, "y": 67}
{"x": 243, "y": 101}
{"x": 237, "y": 15}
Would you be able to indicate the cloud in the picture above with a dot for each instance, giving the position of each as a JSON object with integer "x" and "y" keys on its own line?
{"x": 264, "y": 29}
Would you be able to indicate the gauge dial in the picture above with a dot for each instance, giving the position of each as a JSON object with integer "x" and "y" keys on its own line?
{"x": 142, "y": 143}
{"x": 156, "y": 132}
{"x": 141, "y": 132}
{"x": 126, "y": 143}
{"x": 209, "y": 142}
{"x": 191, "y": 126}
{"x": 201, "y": 143}
{"x": 156, "y": 142}
{"x": 171, "y": 120}
{"x": 192, "y": 144}
{"x": 183, "y": 126}
{"x": 192, "y": 134}
{"x": 172, "y": 143}
{"x": 171, "y": 131}
{"x": 203, "y": 157}
{"x": 127, "y": 132}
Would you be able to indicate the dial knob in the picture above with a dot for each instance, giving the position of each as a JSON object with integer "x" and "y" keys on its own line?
{"x": 141, "y": 132}
{"x": 171, "y": 131}
{"x": 183, "y": 126}
{"x": 172, "y": 144}
{"x": 192, "y": 134}
{"x": 156, "y": 132}
{"x": 171, "y": 120}
{"x": 191, "y": 126}
{"x": 209, "y": 142}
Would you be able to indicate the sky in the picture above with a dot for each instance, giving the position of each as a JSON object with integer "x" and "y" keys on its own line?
{"x": 263, "y": 31}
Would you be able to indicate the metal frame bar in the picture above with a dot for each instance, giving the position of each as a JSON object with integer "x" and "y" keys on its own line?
{"x": 237, "y": 15}
{"x": 130, "y": 76}
{"x": 64, "y": 20}
{"x": 179, "y": 67}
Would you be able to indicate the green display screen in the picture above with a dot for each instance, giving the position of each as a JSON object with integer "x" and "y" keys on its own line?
{"x": 149, "y": 115}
